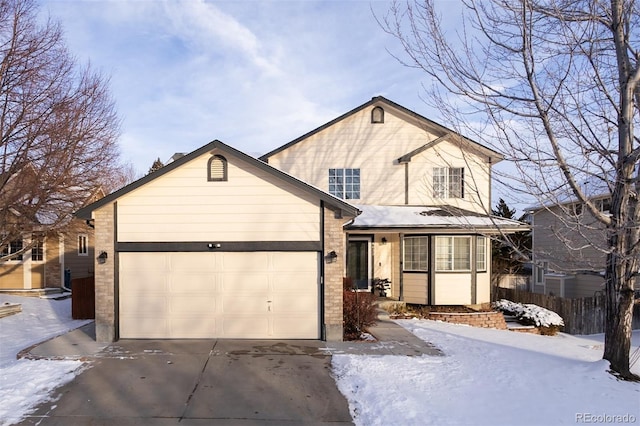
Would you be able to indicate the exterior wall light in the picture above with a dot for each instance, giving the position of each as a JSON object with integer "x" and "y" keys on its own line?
{"x": 383, "y": 240}
{"x": 332, "y": 256}
{"x": 102, "y": 257}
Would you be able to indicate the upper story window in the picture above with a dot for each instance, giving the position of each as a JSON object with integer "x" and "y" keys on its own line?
{"x": 448, "y": 182}
{"x": 416, "y": 254}
{"x": 345, "y": 183}
{"x": 604, "y": 205}
{"x": 377, "y": 115}
{"x": 83, "y": 245}
{"x": 217, "y": 169}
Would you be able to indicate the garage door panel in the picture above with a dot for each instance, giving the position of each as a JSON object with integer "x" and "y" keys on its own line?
{"x": 245, "y": 305}
{"x": 296, "y": 327}
{"x": 139, "y": 304}
{"x": 192, "y": 283}
{"x": 190, "y": 306}
{"x": 295, "y": 282}
{"x": 188, "y": 262}
{"x": 140, "y": 327}
{"x": 143, "y": 262}
{"x": 219, "y": 294}
{"x": 245, "y": 282}
{"x": 291, "y": 304}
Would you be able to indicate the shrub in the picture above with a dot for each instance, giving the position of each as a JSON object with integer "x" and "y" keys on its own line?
{"x": 359, "y": 312}
{"x": 531, "y": 314}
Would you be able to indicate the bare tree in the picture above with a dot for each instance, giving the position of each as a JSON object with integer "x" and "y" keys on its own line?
{"x": 553, "y": 85}
{"x": 58, "y": 126}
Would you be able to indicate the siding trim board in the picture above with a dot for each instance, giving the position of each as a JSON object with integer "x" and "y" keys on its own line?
{"x": 222, "y": 246}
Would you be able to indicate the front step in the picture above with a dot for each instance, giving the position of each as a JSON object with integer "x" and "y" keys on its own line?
{"x": 514, "y": 325}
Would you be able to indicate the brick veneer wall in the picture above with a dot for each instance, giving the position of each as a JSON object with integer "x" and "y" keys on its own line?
{"x": 105, "y": 274}
{"x": 334, "y": 240}
{"x": 474, "y": 319}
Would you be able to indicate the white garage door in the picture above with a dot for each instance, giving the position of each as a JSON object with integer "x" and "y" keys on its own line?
{"x": 253, "y": 295}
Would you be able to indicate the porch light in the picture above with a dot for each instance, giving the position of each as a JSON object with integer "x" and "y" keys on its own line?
{"x": 383, "y": 240}
{"x": 102, "y": 257}
{"x": 332, "y": 256}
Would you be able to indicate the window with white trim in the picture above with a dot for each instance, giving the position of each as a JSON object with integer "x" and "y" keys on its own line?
{"x": 37, "y": 251}
{"x": 481, "y": 254}
{"x": 416, "y": 254}
{"x": 13, "y": 247}
{"x": 345, "y": 183}
{"x": 83, "y": 245}
{"x": 448, "y": 182}
{"x": 453, "y": 254}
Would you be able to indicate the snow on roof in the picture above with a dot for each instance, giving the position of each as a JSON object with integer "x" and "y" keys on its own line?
{"x": 428, "y": 217}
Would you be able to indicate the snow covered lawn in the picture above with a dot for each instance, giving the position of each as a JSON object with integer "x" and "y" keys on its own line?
{"x": 24, "y": 384}
{"x": 488, "y": 377}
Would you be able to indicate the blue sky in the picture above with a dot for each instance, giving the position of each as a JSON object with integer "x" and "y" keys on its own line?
{"x": 252, "y": 74}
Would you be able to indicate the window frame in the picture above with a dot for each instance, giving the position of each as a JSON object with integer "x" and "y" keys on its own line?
{"x": 37, "y": 251}
{"x": 345, "y": 183}
{"x": 452, "y": 252}
{"x": 9, "y": 248}
{"x": 481, "y": 261}
{"x": 83, "y": 249}
{"x": 408, "y": 264}
{"x": 448, "y": 182}
{"x": 210, "y": 175}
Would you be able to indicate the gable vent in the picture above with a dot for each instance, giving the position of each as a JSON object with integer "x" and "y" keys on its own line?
{"x": 217, "y": 169}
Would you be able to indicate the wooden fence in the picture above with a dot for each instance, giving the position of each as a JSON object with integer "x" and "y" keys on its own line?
{"x": 83, "y": 298}
{"x": 581, "y": 316}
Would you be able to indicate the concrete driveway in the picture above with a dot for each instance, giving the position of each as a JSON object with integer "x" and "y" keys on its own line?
{"x": 201, "y": 382}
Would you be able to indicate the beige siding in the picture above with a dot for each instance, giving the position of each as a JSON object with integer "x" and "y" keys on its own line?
{"x": 452, "y": 289}
{"x": 483, "y": 287}
{"x": 447, "y": 154}
{"x": 415, "y": 288}
{"x": 250, "y": 206}
{"x": 374, "y": 148}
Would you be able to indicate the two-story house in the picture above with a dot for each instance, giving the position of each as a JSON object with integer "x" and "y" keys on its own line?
{"x": 424, "y": 192}
{"x": 219, "y": 244}
{"x": 569, "y": 248}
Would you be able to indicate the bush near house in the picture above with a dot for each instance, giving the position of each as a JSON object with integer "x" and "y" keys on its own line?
{"x": 359, "y": 311}
{"x": 547, "y": 321}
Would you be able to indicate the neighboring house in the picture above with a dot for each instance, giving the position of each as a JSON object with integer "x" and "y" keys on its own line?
{"x": 423, "y": 190}
{"x": 42, "y": 266}
{"x": 569, "y": 249}
{"x": 218, "y": 244}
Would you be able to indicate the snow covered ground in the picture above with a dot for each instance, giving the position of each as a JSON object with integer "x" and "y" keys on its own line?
{"x": 487, "y": 377}
{"x": 26, "y": 383}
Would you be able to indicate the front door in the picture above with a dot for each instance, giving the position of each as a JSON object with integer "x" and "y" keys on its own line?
{"x": 358, "y": 263}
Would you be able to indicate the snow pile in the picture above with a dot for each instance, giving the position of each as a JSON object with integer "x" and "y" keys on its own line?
{"x": 530, "y": 313}
{"x": 24, "y": 383}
